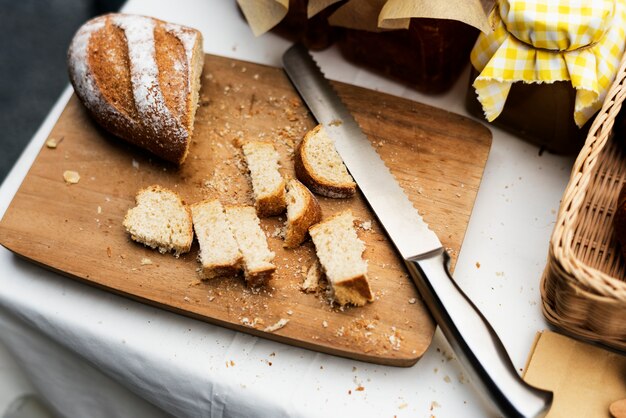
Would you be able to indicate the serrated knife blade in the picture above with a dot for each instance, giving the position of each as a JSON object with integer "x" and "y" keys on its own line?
{"x": 475, "y": 342}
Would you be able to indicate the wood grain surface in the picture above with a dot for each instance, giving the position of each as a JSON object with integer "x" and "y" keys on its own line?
{"x": 438, "y": 157}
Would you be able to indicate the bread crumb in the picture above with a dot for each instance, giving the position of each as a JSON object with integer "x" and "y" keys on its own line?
{"x": 109, "y": 252}
{"x": 403, "y": 405}
{"x": 186, "y": 299}
{"x": 52, "y": 143}
{"x": 446, "y": 379}
{"x": 434, "y": 404}
{"x": 71, "y": 177}
{"x": 366, "y": 226}
{"x": 289, "y": 312}
{"x": 278, "y": 325}
{"x": 135, "y": 164}
{"x": 412, "y": 301}
{"x": 325, "y": 324}
{"x": 313, "y": 275}
{"x": 477, "y": 264}
{"x": 359, "y": 388}
{"x": 99, "y": 210}
{"x": 145, "y": 261}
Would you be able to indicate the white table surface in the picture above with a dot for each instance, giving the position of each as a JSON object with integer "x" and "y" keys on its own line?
{"x": 90, "y": 353}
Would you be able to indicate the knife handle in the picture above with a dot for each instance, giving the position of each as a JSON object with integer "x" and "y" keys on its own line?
{"x": 473, "y": 339}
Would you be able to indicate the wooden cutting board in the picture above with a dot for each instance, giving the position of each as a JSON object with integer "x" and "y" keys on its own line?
{"x": 437, "y": 156}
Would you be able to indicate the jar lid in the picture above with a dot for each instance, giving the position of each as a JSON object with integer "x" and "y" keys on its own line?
{"x": 561, "y": 25}
{"x": 543, "y": 41}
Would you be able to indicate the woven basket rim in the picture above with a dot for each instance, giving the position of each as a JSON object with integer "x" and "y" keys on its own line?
{"x": 561, "y": 250}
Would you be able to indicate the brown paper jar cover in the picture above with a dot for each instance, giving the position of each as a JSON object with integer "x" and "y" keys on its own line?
{"x": 538, "y": 113}
{"x": 315, "y": 33}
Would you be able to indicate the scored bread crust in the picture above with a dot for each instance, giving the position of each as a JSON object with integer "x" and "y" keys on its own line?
{"x": 298, "y": 228}
{"x": 306, "y": 173}
{"x": 162, "y": 247}
{"x": 139, "y": 78}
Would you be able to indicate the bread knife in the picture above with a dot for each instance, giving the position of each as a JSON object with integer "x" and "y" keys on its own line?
{"x": 473, "y": 339}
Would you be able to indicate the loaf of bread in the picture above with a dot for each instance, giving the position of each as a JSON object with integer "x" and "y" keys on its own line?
{"x": 303, "y": 211}
{"x": 340, "y": 251}
{"x": 160, "y": 220}
{"x": 319, "y": 166}
{"x": 257, "y": 257}
{"x": 219, "y": 252}
{"x": 268, "y": 185}
{"x": 139, "y": 78}
{"x": 620, "y": 220}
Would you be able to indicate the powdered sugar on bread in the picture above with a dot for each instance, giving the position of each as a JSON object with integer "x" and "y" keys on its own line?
{"x": 149, "y": 100}
{"x": 139, "y": 77}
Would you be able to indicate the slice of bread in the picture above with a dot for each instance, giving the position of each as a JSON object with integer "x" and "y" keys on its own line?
{"x": 257, "y": 257}
{"x": 219, "y": 252}
{"x": 303, "y": 210}
{"x": 320, "y": 167}
{"x": 268, "y": 185}
{"x": 160, "y": 220}
{"x": 340, "y": 250}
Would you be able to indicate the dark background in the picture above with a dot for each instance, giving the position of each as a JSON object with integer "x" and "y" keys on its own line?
{"x": 34, "y": 36}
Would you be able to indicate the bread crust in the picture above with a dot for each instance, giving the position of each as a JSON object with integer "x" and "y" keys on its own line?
{"x": 138, "y": 77}
{"x": 298, "y": 229}
{"x": 260, "y": 277}
{"x": 355, "y": 291}
{"x": 306, "y": 174}
{"x": 214, "y": 271}
{"x": 272, "y": 205}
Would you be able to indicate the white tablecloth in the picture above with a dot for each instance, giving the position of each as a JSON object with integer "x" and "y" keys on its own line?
{"x": 90, "y": 353}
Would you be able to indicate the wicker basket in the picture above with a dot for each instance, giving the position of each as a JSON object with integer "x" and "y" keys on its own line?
{"x": 583, "y": 288}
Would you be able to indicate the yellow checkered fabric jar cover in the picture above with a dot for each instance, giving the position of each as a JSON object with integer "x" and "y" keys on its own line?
{"x": 542, "y": 41}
